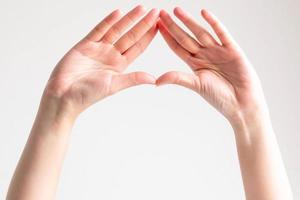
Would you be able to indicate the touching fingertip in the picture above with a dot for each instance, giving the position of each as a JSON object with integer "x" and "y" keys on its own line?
{"x": 159, "y": 23}
{"x": 152, "y": 79}
{"x": 161, "y": 26}
{"x": 158, "y": 84}
{"x": 147, "y": 78}
{"x": 160, "y": 81}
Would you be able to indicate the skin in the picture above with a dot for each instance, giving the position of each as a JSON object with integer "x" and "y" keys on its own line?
{"x": 223, "y": 76}
{"x": 94, "y": 69}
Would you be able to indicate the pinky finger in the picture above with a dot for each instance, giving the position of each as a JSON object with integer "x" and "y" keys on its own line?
{"x": 187, "y": 80}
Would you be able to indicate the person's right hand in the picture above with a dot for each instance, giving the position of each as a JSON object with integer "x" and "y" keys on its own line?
{"x": 93, "y": 69}
{"x": 221, "y": 72}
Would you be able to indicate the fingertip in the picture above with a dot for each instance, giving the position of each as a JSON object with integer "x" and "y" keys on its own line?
{"x": 159, "y": 23}
{"x": 163, "y": 13}
{"x": 140, "y": 8}
{"x": 180, "y": 13}
{"x": 156, "y": 24}
{"x": 155, "y": 28}
{"x": 163, "y": 79}
{"x": 150, "y": 81}
{"x": 159, "y": 82}
{"x": 116, "y": 13}
{"x": 145, "y": 78}
{"x": 177, "y": 10}
{"x": 204, "y": 13}
{"x": 154, "y": 11}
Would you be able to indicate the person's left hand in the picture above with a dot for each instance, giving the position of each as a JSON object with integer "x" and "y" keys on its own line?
{"x": 221, "y": 72}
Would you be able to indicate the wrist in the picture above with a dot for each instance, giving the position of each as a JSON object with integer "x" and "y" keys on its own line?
{"x": 54, "y": 115}
{"x": 251, "y": 120}
{"x": 58, "y": 106}
{"x": 252, "y": 128}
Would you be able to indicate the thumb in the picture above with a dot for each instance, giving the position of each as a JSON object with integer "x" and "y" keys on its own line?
{"x": 123, "y": 81}
{"x": 187, "y": 80}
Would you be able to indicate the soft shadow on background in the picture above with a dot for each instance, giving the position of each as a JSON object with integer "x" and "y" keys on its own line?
{"x": 147, "y": 142}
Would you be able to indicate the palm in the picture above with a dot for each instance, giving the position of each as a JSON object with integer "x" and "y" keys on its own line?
{"x": 89, "y": 69}
{"x": 100, "y": 55}
{"x": 222, "y": 73}
{"x": 224, "y": 76}
{"x": 93, "y": 69}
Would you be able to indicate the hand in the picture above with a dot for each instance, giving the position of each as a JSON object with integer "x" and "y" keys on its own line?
{"x": 93, "y": 69}
{"x": 221, "y": 72}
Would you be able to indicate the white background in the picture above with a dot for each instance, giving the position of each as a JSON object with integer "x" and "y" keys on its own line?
{"x": 147, "y": 142}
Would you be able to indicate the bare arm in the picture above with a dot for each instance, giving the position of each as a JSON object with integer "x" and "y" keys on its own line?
{"x": 38, "y": 171}
{"x": 223, "y": 76}
{"x": 92, "y": 70}
{"x": 261, "y": 165}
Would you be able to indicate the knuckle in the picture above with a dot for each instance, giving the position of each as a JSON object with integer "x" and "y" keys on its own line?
{"x": 140, "y": 47}
{"x": 115, "y": 30}
{"x": 134, "y": 78}
{"x": 130, "y": 18}
{"x": 147, "y": 23}
{"x": 182, "y": 39}
{"x": 131, "y": 35}
{"x": 185, "y": 41}
{"x": 172, "y": 26}
{"x": 201, "y": 33}
{"x": 113, "y": 33}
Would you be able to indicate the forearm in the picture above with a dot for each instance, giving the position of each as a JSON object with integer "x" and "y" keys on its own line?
{"x": 38, "y": 170}
{"x": 262, "y": 168}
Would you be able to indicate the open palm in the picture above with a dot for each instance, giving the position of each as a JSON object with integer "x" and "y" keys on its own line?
{"x": 93, "y": 69}
{"x": 222, "y": 73}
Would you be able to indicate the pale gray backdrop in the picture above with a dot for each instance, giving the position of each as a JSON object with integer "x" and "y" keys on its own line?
{"x": 147, "y": 142}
